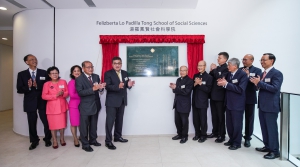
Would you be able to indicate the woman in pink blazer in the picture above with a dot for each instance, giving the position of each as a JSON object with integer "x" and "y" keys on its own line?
{"x": 74, "y": 103}
{"x": 55, "y": 92}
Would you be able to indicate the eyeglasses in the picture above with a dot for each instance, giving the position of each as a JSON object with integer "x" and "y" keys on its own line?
{"x": 244, "y": 59}
{"x": 201, "y": 65}
{"x": 90, "y": 67}
{"x": 117, "y": 63}
{"x": 263, "y": 60}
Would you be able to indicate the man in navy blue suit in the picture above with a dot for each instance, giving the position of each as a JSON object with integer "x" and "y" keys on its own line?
{"x": 235, "y": 84}
{"x": 269, "y": 84}
{"x": 182, "y": 104}
{"x": 251, "y": 98}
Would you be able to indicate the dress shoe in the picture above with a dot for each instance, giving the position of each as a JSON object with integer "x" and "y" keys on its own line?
{"x": 48, "y": 143}
{"x": 95, "y": 144}
{"x": 77, "y": 145}
{"x": 228, "y": 143}
{"x": 88, "y": 149}
{"x": 202, "y": 139}
{"x": 264, "y": 149}
{"x": 183, "y": 140}
{"x": 196, "y": 138}
{"x": 120, "y": 140}
{"x": 54, "y": 147}
{"x": 63, "y": 143}
{"x": 212, "y": 135}
{"x": 234, "y": 147}
{"x": 177, "y": 137}
{"x": 271, "y": 155}
{"x": 33, "y": 145}
{"x": 247, "y": 143}
{"x": 220, "y": 139}
{"x": 110, "y": 146}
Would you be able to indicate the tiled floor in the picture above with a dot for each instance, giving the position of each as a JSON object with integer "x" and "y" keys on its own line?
{"x": 140, "y": 151}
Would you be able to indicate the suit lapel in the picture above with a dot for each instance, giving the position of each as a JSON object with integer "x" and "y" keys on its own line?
{"x": 86, "y": 80}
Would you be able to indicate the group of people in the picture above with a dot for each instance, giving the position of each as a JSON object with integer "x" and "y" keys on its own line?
{"x": 231, "y": 91}
{"x": 45, "y": 92}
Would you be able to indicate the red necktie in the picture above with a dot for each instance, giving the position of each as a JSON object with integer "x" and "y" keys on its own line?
{"x": 90, "y": 80}
{"x": 264, "y": 75}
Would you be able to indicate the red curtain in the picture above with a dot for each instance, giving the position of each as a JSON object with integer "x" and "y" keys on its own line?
{"x": 110, "y": 47}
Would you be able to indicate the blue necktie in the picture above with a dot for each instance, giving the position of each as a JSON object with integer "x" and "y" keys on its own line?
{"x": 33, "y": 76}
{"x": 231, "y": 76}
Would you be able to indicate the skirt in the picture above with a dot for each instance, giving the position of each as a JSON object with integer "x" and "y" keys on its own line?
{"x": 57, "y": 121}
{"x": 74, "y": 116}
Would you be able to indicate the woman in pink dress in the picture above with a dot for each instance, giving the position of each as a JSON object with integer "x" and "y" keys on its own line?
{"x": 74, "y": 102}
{"x": 55, "y": 92}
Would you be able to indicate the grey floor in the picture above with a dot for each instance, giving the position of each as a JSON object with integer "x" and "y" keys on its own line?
{"x": 140, "y": 151}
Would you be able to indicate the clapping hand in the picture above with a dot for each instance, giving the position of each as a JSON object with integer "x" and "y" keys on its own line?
{"x": 222, "y": 82}
{"x": 255, "y": 80}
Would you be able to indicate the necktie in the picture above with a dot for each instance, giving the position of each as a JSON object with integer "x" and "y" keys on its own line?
{"x": 90, "y": 80}
{"x": 231, "y": 76}
{"x": 33, "y": 76}
{"x": 118, "y": 73}
{"x": 264, "y": 75}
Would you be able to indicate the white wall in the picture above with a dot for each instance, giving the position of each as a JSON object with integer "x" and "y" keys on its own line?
{"x": 238, "y": 27}
{"x": 6, "y": 81}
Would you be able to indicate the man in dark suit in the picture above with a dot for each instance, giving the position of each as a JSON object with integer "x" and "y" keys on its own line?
{"x": 30, "y": 82}
{"x": 201, "y": 90}
{"x": 235, "y": 84}
{"x": 182, "y": 104}
{"x": 117, "y": 82}
{"x": 88, "y": 87}
{"x": 217, "y": 97}
{"x": 269, "y": 84}
{"x": 251, "y": 98}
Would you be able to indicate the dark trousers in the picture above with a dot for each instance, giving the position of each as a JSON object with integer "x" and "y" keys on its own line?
{"x": 114, "y": 116}
{"x": 249, "y": 120}
{"x": 32, "y": 121}
{"x": 234, "y": 122}
{"x": 200, "y": 121}
{"x": 269, "y": 129}
{"x": 182, "y": 123}
{"x": 88, "y": 129}
{"x": 218, "y": 117}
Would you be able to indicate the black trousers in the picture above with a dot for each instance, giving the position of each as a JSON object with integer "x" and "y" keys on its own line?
{"x": 234, "y": 122}
{"x": 114, "y": 116}
{"x": 249, "y": 120}
{"x": 32, "y": 121}
{"x": 218, "y": 117}
{"x": 182, "y": 123}
{"x": 200, "y": 121}
{"x": 88, "y": 129}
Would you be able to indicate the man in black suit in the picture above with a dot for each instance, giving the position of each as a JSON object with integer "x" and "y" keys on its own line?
{"x": 117, "y": 82}
{"x": 182, "y": 104}
{"x": 235, "y": 84}
{"x": 30, "y": 82}
{"x": 251, "y": 98}
{"x": 201, "y": 90}
{"x": 88, "y": 87}
{"x": 217, "y": 97}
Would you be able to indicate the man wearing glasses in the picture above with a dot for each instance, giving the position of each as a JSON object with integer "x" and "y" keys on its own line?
{"x": 117, "y": 82}
{"x": 251, "y": 98}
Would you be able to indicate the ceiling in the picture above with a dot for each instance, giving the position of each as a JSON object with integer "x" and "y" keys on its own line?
{"x": 15, "y": 6}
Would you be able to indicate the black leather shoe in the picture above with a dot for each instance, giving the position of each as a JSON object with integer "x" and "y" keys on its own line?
{"x": 33, "y": 145}
{"x": 48, "y": 143}
{"x": 196, "y": 138}
{"x": 177, "y": 137}
{"x": 88, "y": 149}
{"x": 220, "y": 139}
{"x": 271, "y": 155}
{"x": 202, "y": 139}
{"x": 247, "y": 143}
{"x": 95, "y": 144}
{"x": 183, "y": 140}
{"x": 110, "y": 146}
{"x": 228, "y": 143}
{"x": 120, "y": 140}
{"x": 234, "y": 147}
{"x": 212, "y": 135}
{"x": 264, "y": 149}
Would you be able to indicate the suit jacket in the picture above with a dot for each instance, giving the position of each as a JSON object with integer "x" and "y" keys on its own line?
{"x": 89, "y": 99}
{"x": 55, "y": 105}
{"x": 251, "y": 89}
{"x": 201, "y": 92}
{"x": 217, "y": 92}
{"x": 235, "y": 91}
{"x": 269, "y": 91}
{"x": 33, "y": 96}
{"x": 115, "y": 96}
{"x": 183, "y": 90}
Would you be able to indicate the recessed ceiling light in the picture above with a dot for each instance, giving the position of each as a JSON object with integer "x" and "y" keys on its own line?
{"x": 2, "y": 8}
{"x": 4, "y": 38}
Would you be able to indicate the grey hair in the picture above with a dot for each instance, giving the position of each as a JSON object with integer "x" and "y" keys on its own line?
{"x": 234, "y": 61}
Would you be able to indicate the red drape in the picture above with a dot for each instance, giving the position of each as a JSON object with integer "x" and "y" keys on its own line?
{"x": 110, "y": 47}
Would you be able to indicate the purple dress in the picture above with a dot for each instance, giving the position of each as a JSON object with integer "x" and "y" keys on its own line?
{"x": 73, "y": 104}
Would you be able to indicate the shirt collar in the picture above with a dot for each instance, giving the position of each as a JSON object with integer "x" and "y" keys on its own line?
{"x": 270, "y": 68}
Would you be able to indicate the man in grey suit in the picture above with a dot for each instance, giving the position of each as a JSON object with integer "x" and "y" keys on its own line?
{"x": 88, "y": 87}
